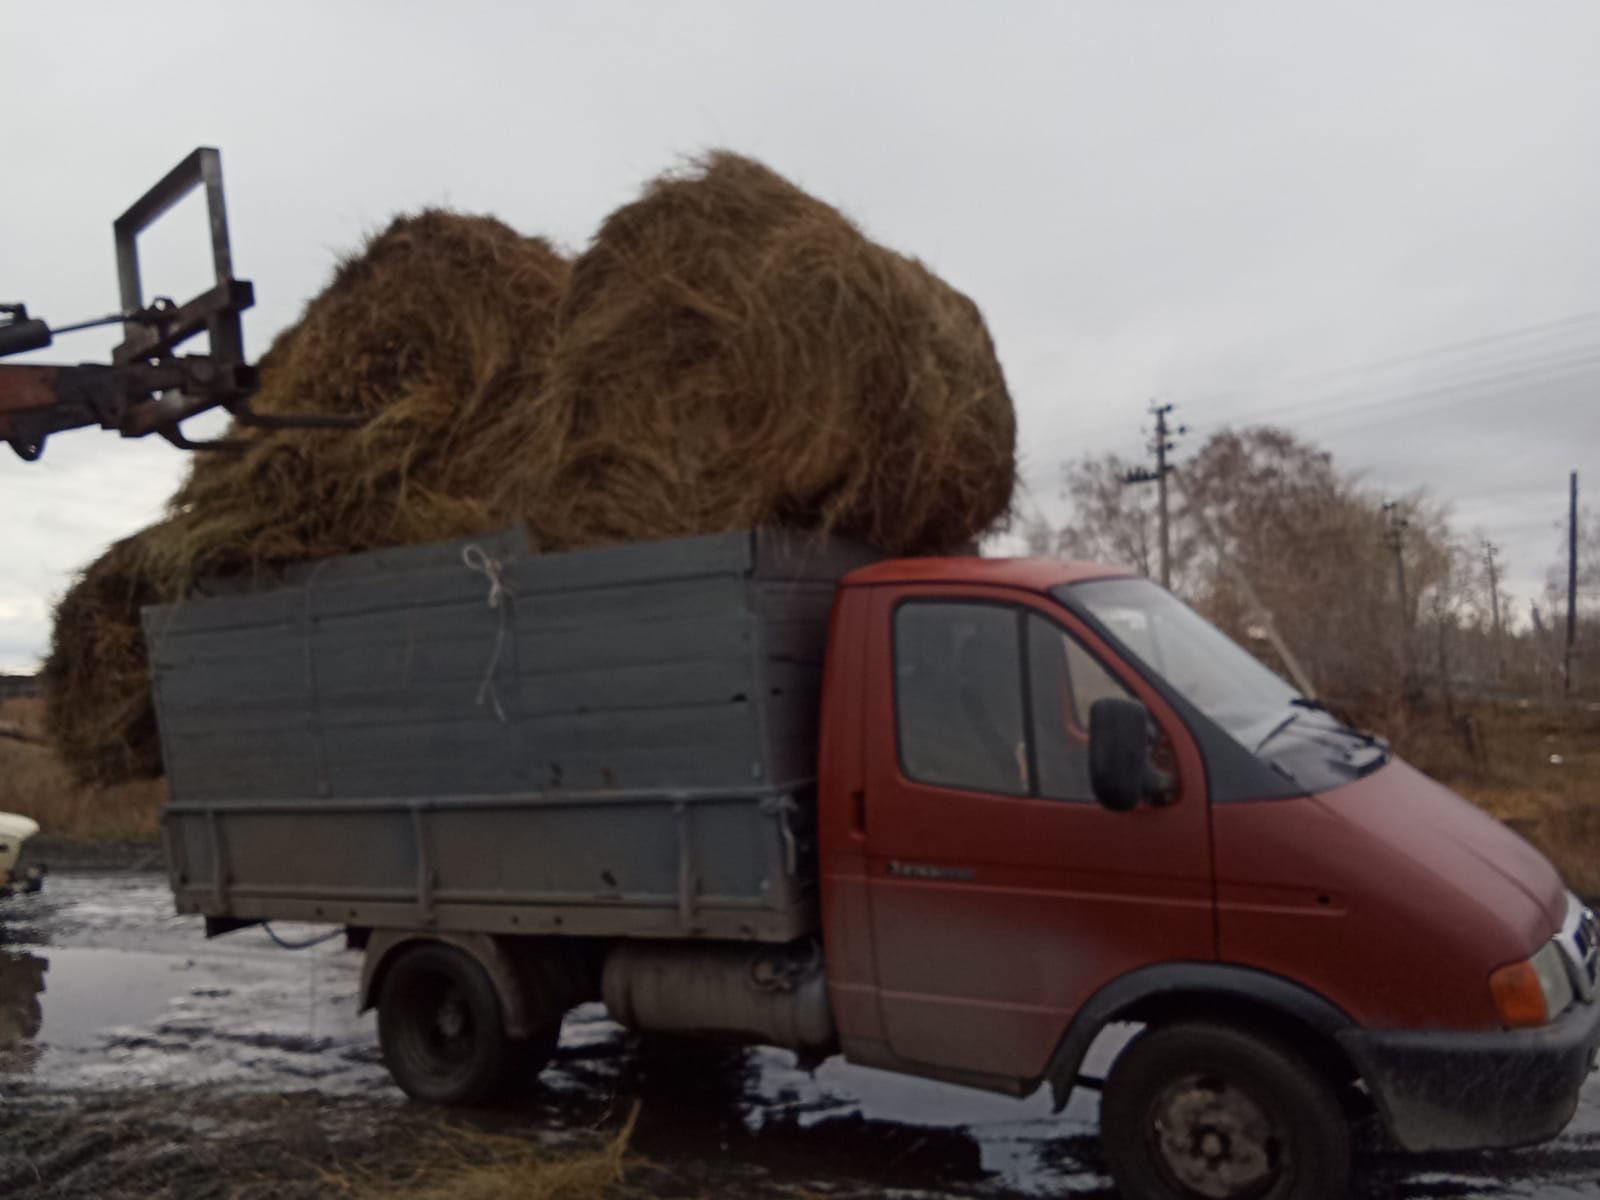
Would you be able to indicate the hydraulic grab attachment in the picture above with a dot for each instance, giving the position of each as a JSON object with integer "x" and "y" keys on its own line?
{"x": 146, "y": 387}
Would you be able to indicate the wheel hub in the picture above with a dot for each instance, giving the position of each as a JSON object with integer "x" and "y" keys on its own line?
{"x": 451, "y": 1019}
{"x": 1216, "y": 1140}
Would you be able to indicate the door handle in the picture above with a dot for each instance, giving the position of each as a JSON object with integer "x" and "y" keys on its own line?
{"x": 858, "y": 814}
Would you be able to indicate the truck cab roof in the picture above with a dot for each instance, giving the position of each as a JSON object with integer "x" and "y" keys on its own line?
{"x": 1032, "y": 574}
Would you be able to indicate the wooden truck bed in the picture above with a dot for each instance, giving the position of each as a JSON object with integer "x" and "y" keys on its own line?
{"x": 467, "y": 736}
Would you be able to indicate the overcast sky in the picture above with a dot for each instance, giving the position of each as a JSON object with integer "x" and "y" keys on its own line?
{"x": 1377, "y": 224}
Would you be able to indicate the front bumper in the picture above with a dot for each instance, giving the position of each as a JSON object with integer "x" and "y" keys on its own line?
{"x": 1440, "y": 1090}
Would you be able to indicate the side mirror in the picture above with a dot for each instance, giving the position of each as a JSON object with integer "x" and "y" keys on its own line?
{"x": 1121, "y": 738}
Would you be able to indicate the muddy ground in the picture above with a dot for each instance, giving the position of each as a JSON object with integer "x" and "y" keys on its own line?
{"x": 137, "y": 1059}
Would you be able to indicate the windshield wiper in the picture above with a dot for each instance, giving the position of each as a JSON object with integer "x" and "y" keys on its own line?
{"x": 1277, "y": 729}
{"x": 1307, "y": 702}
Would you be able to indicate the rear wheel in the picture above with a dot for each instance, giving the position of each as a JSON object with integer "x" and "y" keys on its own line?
{"x": 443, "y": 1032}
{"x": 1202, "y": 1111}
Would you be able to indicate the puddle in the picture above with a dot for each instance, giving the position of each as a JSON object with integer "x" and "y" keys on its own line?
{"x": 67, "y": 998}
{"x": 841, "y": 1126}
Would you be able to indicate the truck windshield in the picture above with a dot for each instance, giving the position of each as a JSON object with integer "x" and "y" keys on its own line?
{"x": 1220, "y": 678}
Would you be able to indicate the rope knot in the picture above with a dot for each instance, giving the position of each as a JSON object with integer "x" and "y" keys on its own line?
{"x": 485, "y": 564}
{"x": 477, "y": 559}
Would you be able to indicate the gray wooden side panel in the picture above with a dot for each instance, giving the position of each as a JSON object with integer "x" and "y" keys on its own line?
{"x": 329, "y": 851}
{"x": 791, "y": 734}
{"x": 790, "y": 554}
{"x": 692, "y": 667}
{"x": 686, "y": 861}
{"x": 504, "y": 544}
{"x": 317, "y": 762}
{"x": 445, "y": 702}
{"x": 424, "y": 758}
{"x": 793, "y": 601}
{"x": 298, "y": 606}
{"x": 229, "y": 766}
{"x": 650, "y": 604}
{"x": 735, "y": 850}
{"x": 276, "y": 671}
{"x": 632, "y": 566}
{"x": 725, "y": 679}
{"x": 684, "y": 746}
{"x": 600, "y": 647}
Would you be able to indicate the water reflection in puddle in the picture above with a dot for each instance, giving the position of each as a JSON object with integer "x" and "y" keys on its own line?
{"x": 72, "y": 998}
{"x": 21, "y": 1014}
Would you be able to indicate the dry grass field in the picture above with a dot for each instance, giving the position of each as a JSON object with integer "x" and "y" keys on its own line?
{"x": 34, "y": 782}
{"x": 1535, "y": 766}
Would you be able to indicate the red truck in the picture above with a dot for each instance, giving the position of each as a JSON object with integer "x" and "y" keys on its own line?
{"x": 951, "y": 817}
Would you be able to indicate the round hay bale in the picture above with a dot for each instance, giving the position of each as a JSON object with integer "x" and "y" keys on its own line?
{"x": 436, "y": 331}
{"x": 97, "y": 677}
{"x": 734, "y": 352}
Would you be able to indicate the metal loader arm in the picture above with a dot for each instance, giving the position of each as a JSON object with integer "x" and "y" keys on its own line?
{"x": 146, "y": 388}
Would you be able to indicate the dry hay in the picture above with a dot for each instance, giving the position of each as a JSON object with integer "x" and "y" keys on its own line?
{"x": 435, "y": 331}
{"x": 457, "y": 1161}
{"x": 97, "y": 694}
{"x": 734, "y": 352}
{"x": 729, "y": 352}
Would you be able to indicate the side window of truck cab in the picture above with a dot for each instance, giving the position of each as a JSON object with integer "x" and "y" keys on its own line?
{"x": 958, "y": 696}
{"x": 992, "y": 698}
{"x": 1064, "y": 681}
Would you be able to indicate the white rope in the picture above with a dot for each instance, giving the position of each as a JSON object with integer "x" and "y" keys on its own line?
{"x": 783, "y": 807}
{"x": 499, "y": 599}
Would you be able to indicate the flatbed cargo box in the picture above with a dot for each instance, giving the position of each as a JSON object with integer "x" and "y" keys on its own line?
{"x": 467, "y": 736}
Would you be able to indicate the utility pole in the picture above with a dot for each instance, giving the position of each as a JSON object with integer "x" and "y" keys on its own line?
{"x": 1395, "y": 537}
{"x": 1161, "y": 445}
{"x": 1572, "y": 585}
{"x": 1489, "y": 551}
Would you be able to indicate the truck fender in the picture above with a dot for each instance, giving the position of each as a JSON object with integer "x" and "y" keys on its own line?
{"x": 483, "y": 948}
{"x": 1176, "y": 989}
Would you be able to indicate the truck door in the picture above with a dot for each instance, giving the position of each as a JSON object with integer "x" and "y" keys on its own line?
{"x": 1002, "y": 894}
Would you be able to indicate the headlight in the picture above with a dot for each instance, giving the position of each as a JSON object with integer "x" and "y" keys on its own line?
{"x": 1534, "y": 991}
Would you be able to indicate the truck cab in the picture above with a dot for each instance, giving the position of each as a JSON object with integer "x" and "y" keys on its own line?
{"x": 1053, "y": 799}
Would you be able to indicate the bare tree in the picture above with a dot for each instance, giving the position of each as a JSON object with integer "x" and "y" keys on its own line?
{"x": 1272, "y": 540}
{"x": 1110, "y": 522}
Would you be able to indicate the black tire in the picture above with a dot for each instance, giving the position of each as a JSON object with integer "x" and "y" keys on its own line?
{"x": 441, "y": 1028}
{"x": 1203, "y": 1111}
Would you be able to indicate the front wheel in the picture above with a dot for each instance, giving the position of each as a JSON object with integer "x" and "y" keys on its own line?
{"x": 1203, "y": 1111}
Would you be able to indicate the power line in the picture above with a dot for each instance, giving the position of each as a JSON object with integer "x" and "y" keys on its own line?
{"x": 1445, "y": 351}
{"x": 1504, "y": 375}
{"x": 1466, "y": 345}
